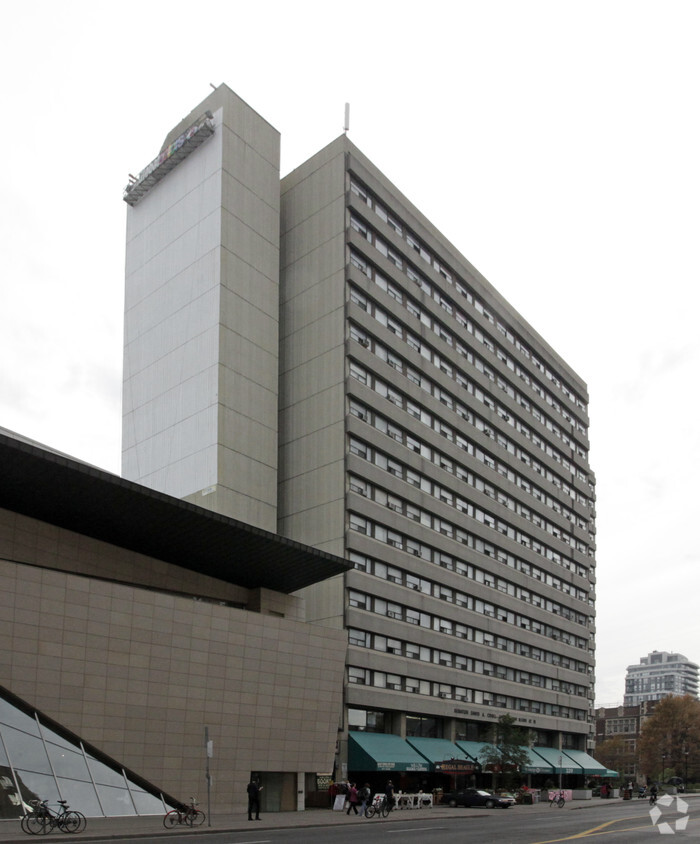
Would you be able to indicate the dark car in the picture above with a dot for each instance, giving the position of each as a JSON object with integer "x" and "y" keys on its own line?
{"x": 475, "y": 797}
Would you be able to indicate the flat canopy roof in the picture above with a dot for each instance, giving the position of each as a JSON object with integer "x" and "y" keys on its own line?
{"x": 64, "y": 492}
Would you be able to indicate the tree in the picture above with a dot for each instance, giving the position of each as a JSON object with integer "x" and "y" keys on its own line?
{"x": 673, "y": 729}
{"x": 615, "y": 755}
{"x": 508, "y": 752}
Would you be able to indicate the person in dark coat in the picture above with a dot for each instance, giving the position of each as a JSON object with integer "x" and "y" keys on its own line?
{"x": 389, "y": 794}
{"x": 254, "y": 789}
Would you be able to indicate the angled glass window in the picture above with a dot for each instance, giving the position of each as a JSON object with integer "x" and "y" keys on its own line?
{"x": 40, "y": 762}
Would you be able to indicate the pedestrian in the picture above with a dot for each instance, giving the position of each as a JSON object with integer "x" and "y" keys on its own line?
{"x": 389, "y": 794}
{"x": 352, "y": 798}
{"x": 364, "y": 795}
{"x": 254, "y": 789}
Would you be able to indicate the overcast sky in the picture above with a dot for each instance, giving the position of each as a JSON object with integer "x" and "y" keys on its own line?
{"x": 556, "y": 144}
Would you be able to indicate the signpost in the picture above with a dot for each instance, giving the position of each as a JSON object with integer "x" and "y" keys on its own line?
{"x": 209, "y": 745}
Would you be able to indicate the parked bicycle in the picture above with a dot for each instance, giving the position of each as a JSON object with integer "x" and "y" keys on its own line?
{"x": 378, "y": 807}
{"x": 188, "y": 815}
{"x": 558, "y": 799}
{"x": 41, "y": 820}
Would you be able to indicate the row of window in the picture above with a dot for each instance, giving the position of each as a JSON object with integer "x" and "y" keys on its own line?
{"x": 456, "y": 531}
{"x": 447, "y": 496}
{"x": 431, "y": 621}
{"x": 446, "y": 398}
{"x": 391, "y": 429}
{"x": 430, "y": 726}
{"x": 447, "y": 336}
{"x": 384, "y": 680}
{"x": 426, "y": 552}
{"x": 447, "y": 659}
{"x": 475, "y": 575}
{"x": 428, "y": 256}
{"x": 429, "y": 520}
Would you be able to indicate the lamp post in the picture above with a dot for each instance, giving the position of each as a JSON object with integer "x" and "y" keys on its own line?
{"x": 663, "y": 766}
{"x": 685, "y": 781}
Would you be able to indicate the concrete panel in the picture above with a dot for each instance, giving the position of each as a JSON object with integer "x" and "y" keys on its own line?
{"x": 324, "y": 261}
{"x": 318, "y": 527}
{"x": 313, "y": 302}
{"x": 322, "y": 447}
{"x": 319, "y": 373}
{"x": 313, "y": 488}
{"x": 312, "y": 232}
{"x": 251, "y": 211}
{"x": 313, "y": 413}
{"x": 150, "y": 692}
{"x": 144, "y": 310}
{"x": 242, "y": 281}
{"x": 325, "y": 332}
{"x": 248, "y": 342}
{"x": 246, "y": 434}
{"x": 236, "y": 390}
{"x": 319, "y": 190}
{"x": 250, "y": 246}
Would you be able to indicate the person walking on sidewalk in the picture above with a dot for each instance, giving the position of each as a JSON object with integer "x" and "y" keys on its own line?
{"x": 352, "y": 798}
{"x": 364, "y": 795}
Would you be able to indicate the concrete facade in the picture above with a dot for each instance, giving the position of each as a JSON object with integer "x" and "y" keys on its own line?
{"x": 136, "y": 655}
{"x": 428, "y": 434}
{"x": 201, "y": 321}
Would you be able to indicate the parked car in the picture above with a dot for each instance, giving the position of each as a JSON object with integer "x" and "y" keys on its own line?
{"x": 475, "y": 797}
{"x": 678, "y": 782}
{"x": 506, "y": 795}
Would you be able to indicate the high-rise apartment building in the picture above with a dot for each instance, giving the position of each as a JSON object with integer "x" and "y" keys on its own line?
{"x": 371, "y": 395}
{"x": 658, "y": 675}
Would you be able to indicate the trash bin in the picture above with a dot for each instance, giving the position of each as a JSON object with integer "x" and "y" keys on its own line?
{"x": 627, "y": 794}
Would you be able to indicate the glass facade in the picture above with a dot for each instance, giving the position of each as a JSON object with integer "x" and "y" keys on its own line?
{"x": 38, "y": 763}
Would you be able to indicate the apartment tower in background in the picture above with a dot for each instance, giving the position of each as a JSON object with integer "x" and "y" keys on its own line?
{"x": 374, "y": 397}
{"x": 658, "y": 675}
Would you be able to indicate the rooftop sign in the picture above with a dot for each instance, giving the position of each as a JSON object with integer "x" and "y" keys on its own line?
{"x": 169, "y": 158}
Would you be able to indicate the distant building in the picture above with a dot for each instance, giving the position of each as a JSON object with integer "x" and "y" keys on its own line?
{"x": 658, "y": 675}
{"x": 624, "y": 723}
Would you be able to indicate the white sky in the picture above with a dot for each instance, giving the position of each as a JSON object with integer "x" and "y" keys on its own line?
{"x": 555, "y": 143}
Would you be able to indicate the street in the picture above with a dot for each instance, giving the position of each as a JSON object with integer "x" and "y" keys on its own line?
{"x": 620, "y": 822}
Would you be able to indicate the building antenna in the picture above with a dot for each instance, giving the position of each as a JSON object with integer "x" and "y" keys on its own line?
{"x": 346, "y": 125}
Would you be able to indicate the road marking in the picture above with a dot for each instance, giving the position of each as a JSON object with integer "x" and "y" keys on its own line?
{"x": 595, "y": 830}
{"x": 414, "y": 829}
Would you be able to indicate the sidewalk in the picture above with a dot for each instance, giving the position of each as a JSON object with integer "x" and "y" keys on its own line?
{"x": 106, "y": 829}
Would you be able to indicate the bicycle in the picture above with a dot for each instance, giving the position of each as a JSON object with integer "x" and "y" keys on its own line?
{"x": 188, "y": 815}
{"x": 558, "y": 799}
{"x": 41, "y": 820}
{"x": 379, "y": 807}
{"x": 652, "y": 798}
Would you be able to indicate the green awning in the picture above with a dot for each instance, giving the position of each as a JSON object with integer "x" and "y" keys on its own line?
{"x": 443, "y": 755}
{"x": 383, "y": 752}
{"x": 588, "y": 763}
{"x": 472, "y": 749}
{"x": 535, "y": 764}
{"x": 561, "y": 763}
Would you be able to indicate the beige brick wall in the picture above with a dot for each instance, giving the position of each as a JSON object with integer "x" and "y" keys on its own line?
{"x": 139, "y": 672}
